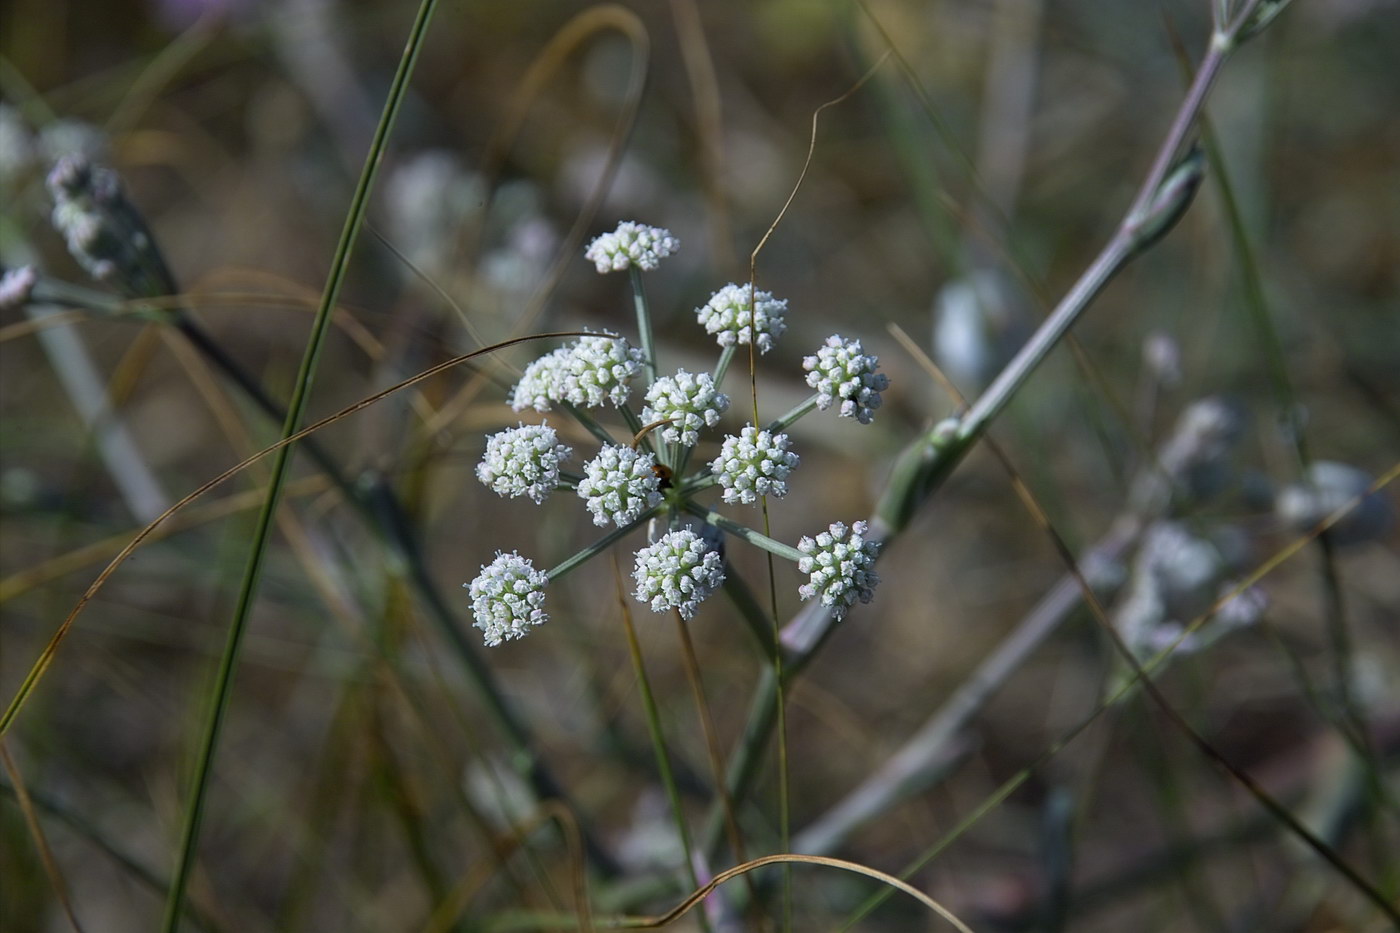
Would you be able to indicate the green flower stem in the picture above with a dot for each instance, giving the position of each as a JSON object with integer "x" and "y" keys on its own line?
{"x": 223, "y": 684}
{"x": 639, "y": 297}
{"x": 634, "y": 424}
{"x": 683, "y": 460}
{"x": 601, "y": 545}
{"x": 663, "y": 756}
{"x": 757, "y": 539}
{"x": 786, "y": 420}
{"x": 698, "y": 483}
{"x": 591, "y": 426}
{"x": 56, "y": 291}
{"x": 744, "y": 600}
{"x": 726, "y": 356}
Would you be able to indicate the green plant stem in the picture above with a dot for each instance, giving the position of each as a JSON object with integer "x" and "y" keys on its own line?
{"x": 644, "y": 334}
{"x": 747, "y": 604}
{"x": 223, "y": 684}
{"x": 658, "y": 742}
{"x": 786, "y": 421}
{"x": 589, "y": 424}
{"x": 726, "y": 356}
{"x": 756, "y": 538}
{"x": 601, "y": 545}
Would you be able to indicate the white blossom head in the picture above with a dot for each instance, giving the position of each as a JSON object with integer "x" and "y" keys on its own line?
{"x": 619, "y": 485}
{"x": 16, "y": 285}
{"x": 728, "y": 316}
{"x": 631, "y": 244}
{"x": 586, "y": 373}
{"x": 677, "y": 572}
{"x": 508, "y": 598}
{"x": 840, "y": 371}
{"x": 839, "y": 562}
{"x": 690, "y": 402}
{"x": 756, "y": 463}
{"x": 523, "y": 461}
{"x": 1328, "y": 486}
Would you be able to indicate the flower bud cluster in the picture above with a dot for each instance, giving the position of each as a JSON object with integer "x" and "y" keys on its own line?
{"x": 841, "y": 371}
{"x": 508, "y": 598}
{"x": 729, "y": 317}
{"x": 677, "y": 572}
{"x": 839, "y": 562}
{"x": 585, "y": 373}
{"x": 688, "y": 402}
{"x": 104, "y": 232}
{"x": 619, "y": 485}
{"x": 631, "y": 244}
{"x": 755, "y": 463}
{"x": 523, "y": 461}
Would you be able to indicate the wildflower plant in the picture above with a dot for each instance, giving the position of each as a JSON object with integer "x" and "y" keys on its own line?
{"x": 629, "y": 482}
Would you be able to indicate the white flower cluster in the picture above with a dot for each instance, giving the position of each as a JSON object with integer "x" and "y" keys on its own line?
{"x": 839, "y": 565}
{"x": 728, "y": 316}
{"x": 756, "y": 463}
{"x": 508, "y": 598}
{"x": 677, "y": 572}
{"x": 631, "y": 244}
{"x": 585, "y": 373}
{"x": 16, "y": 285}
{"x": 841, "y": 371}
{"x": 523, "y": 461}
{"x": 619, "y": 485}
{"x": 622, "y": 484}
{"x": 690, "y": 402}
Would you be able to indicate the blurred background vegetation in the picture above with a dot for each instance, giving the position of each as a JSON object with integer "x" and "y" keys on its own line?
{"x": 955, "y": 195}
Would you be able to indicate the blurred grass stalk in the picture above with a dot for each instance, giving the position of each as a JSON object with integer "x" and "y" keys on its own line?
{"x": 222, "y": 687}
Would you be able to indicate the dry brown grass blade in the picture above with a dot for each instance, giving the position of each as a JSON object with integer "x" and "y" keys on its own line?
{"x": 685, "y": 906}
{"x": 46, "y": 657}
{"x": 41, "y": 842}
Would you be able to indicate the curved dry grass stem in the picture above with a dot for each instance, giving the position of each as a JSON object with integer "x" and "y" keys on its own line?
{"x": 685, "y": 906}
{"x": 45, "y": 659}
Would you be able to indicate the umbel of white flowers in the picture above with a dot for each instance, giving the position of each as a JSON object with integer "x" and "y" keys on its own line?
{"x": 677, "y": 572}
{"x": 755, "y": 463}
{"x": 523, "y": 461}
{"x": 621, "y": 484}
{"x": 728, "y": 316}
{"x": 508, "y": 598}
{"x": 687, "y": 403}
{"x": 586, "y": 373}
{"x": 840, "y": 371}
{"x": 839, "y": 562}
{"x": 631, "y": 244}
